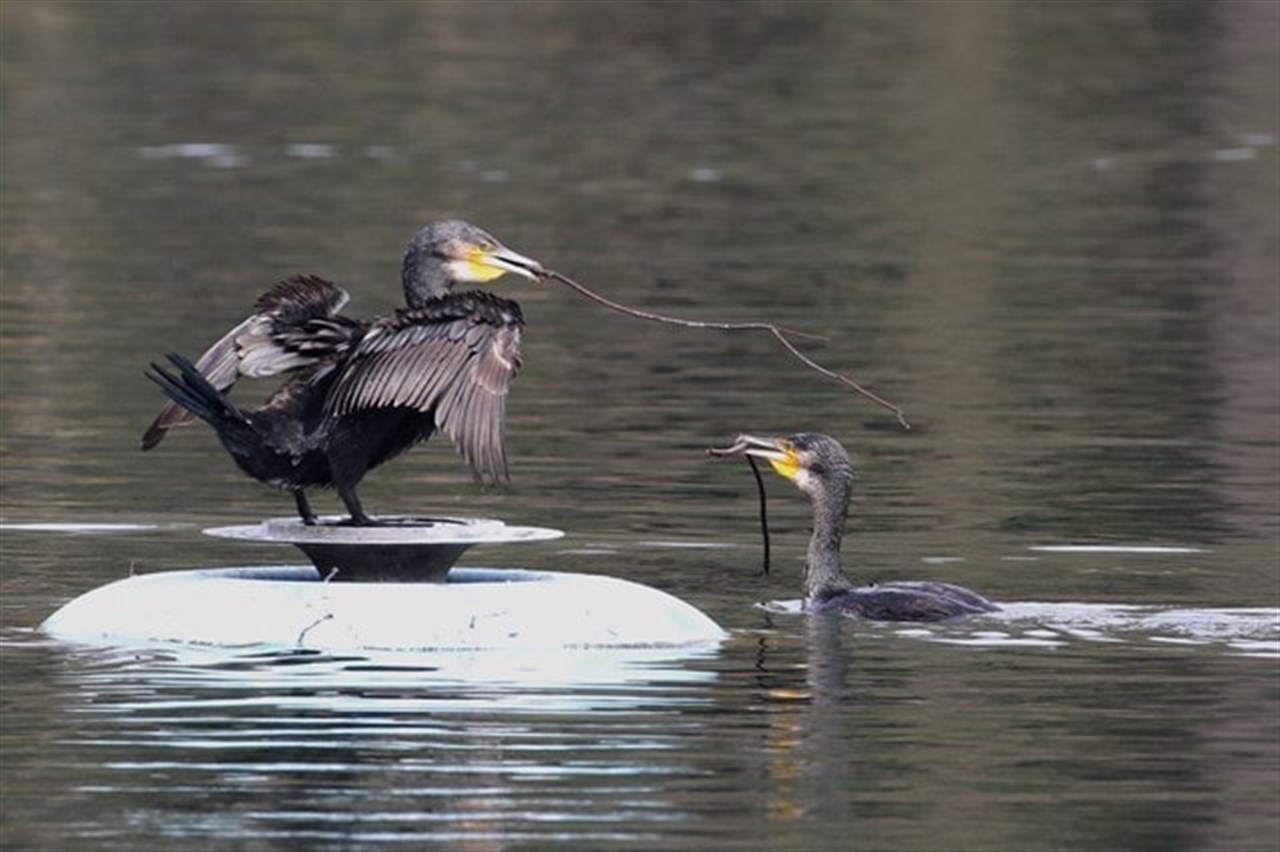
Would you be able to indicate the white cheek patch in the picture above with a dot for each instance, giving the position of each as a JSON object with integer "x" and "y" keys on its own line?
{"x": 802, "y": 479}
{"x": 460, "y": 270}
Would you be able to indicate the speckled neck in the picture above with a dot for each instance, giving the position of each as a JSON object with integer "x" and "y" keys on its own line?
{"x": 823, "y": 576}
{"x": 423, "y": 276}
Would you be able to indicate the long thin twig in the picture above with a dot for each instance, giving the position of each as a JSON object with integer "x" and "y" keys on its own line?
{"x": 780, "y": 333}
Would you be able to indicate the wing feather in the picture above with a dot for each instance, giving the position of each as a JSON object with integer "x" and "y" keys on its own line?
{"x": 452, "y": 359}
{"x": 294, "y": 325}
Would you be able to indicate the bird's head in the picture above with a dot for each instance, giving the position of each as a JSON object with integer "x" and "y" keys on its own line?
{"x": 451, "y": 252}
{"x": 816, "y": 463}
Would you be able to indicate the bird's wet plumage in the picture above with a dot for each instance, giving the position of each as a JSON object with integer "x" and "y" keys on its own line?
{"x": 294, "y": 325}
{"x": 821, "y": 468}
{"x": 360, "y": 392}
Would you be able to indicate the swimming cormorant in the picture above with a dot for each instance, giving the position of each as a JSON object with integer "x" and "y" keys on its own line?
{"x": 820, "y": 467}
{"x": 358, "y": 392}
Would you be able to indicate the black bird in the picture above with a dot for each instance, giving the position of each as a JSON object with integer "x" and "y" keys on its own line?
{"x": 360, "y": 393}
{"x": 820, "y": 467}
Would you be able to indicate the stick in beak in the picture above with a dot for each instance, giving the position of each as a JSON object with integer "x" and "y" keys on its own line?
{"x": 739, "y": 448}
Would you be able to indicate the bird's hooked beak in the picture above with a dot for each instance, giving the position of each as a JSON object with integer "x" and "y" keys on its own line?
{"x": 779, "y": 452}
{"x": 485, "y": 262}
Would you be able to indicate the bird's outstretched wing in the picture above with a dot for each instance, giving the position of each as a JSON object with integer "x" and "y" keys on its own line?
{"x": 454, "y": 356}
{"x": 294, "y": 325}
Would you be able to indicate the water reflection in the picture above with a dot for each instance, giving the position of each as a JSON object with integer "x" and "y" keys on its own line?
{"x": 855, "y": 728}
{"x": 813, "y": 717}
{"x": 467, "y": 745}
{"x": 182, "y": 676}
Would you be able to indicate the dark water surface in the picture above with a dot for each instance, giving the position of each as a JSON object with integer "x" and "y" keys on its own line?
{"x": 1047, "y": 230}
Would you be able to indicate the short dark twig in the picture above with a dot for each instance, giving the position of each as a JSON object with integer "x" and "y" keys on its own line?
{"x": 764, "y": 512}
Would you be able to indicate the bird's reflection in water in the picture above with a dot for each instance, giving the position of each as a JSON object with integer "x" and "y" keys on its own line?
{"x": 806, "y": 718}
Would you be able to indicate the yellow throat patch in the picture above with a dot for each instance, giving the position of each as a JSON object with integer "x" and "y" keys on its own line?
{"x": 789, "y": 465}
{"x": 480, "y": 268}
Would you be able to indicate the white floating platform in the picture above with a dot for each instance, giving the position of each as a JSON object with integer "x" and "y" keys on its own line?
{"x": 475, "y": 609}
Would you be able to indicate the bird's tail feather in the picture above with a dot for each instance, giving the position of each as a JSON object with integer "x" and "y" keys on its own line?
{"x": 196, "y": 394}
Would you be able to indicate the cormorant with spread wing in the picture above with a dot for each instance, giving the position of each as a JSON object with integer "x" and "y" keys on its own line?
{"x": 360, "y": 393}
{"x": 820, "y": 467}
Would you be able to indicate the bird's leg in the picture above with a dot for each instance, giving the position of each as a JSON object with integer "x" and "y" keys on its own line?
{"x": 352, "y": 502}
{"x": 304, "y": 508}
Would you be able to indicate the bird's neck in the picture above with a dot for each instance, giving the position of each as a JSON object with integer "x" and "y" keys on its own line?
{"x": 423, "y": 279}
{"x": 823, "y": 577}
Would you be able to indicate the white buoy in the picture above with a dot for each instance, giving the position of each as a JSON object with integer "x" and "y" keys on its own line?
{"x": 474, "y": 609}
{"x": 390, "y": 587}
